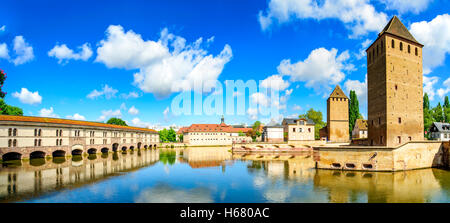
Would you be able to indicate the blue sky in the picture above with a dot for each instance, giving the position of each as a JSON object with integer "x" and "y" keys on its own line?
{"x": 137, "y": 50}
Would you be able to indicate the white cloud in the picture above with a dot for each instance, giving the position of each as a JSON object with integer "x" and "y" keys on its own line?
{"x": 27, "y": 97}
{"x": 166, "y": 113}
{"x": 4, "y": 53}
{"x": 123, "y": 106}
{"x": 253, "y": 112}
{"x": 138, "y": 123}
{"x": 165, "y": 66}
{"x": 428, "y": 86}
{"x": 133, "y": 110}
{"x": 109, "y": 113}
{"x": 64, "y": 54}
{"x": 23, "y": 51}
{"x": 132, "y": 94}
{"x": 296, "y": 108}
{"x": 48, "y": 113}
{"x": 358, "y": 16}
{"x": 275, "y": 82}
{"x": 442, "y": 92}
{"x": 321, "y": 69}
{"x": 260, "y": 99}
{"x": 435, "y": 35}
{"x": 362, "y": 51}
{"x": 359, "y": 87}
{"x": 76, "y": 116}
{"x": 403, "y": 6}
{"x": 107, "y": 91}
{"x": 2, "y": 29}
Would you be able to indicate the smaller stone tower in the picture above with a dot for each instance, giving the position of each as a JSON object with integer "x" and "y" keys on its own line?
{"x": 337, "y": 116}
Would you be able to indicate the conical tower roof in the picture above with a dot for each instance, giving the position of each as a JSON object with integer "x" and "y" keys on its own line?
{"x": 396, "y": 28}
{"x": 338, "y": 93}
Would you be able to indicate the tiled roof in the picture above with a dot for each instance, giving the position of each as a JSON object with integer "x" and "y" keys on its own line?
{"x": 396, "y": 27}
{"x": 68, "y": 122}
{"x": 440, "y": 127}
{"x": 338, "y": 93}
{"x": 291, "y": 121}
{"x": 361, "y": 124}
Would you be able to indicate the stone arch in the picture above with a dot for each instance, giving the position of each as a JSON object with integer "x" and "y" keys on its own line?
{"x": 77, "y": 152}
{"x": 104, "y": 150}
{"x": 139, "y": 145}
{"x": 92, "y": 151}
{"x": 59, "y": 153}
{"x": 131, "y": 147}
{"x": 154, "y": 146}
{"x": 115, "y": 146}
{"x": 37, "y": 154}
{"x": 145, "y": 146}
{"x": 12, "y": 156}
{"x": 124, "y": 148}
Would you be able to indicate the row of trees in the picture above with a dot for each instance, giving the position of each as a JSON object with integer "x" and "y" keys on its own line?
{"x": 437, "y": 114}
{"x": 6, "y": 109}
{"x": 167, "y": 135}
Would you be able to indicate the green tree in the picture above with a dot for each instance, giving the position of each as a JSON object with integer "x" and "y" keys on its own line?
{"x": 438, "y": 113}
{"x": 180, "y": 137}
{"x": 9, "y": 110}
{"x": 317, "y": 118}
{"x": 353, "y": 110}
{"x": 163, "y": 135}
{"x": 447, "y": 109}
{"x": 116, "y": 121}
{"x": 171, "y": 135}
{"x": 240, "y": 133}
{"x": 427, "y": 115}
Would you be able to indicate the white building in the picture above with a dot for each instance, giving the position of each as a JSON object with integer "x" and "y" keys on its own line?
{"x": 440, "y": 131}
{"x": 273, "y": 133}
{"x": 360, "y": 130}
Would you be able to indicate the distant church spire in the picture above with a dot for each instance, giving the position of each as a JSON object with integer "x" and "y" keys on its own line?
{"x": 222, "y": 120}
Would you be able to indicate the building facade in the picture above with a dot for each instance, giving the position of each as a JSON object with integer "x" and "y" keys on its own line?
{"x": 337, "y": 129}
{"x": 215, "y": 134}
{"x": 298, "y": 129}
{"x": 394, "y": 84}
{"x": 440, "y": 131}
{"x": 273, "y": 133}
{"x": 360, "y": 130}
{"x": 30, "y": 137}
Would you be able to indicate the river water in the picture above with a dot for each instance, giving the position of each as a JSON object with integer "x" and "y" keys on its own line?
{"x": 209, "y": 175}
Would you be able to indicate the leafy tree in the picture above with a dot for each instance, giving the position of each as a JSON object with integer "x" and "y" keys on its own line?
{"x": 9, "y": 110}
{"x": 171, "y": 135}
{"x": 438, "y": 114}
{"x": 447, "y": 109}
{"x": 427, "y": 115}
{"x": 254, "y": 133}
{"x": 2, "y": 81}
{"x": 163, "y": 135}
{"x": 317, "y": 118}
{"x": 180, "y": 137}
{"x": 116, "y": 121}
{"x": 353, "y": 110}
{"x": 240, "y": 133}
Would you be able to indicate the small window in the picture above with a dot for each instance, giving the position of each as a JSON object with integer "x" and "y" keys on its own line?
{"x": 381, "y": 139}
{"x": 417, "y": 53}
{"x": 35, "y": 132}
{"x": 393, "y": 44}
{"x": 293, "y": 129}
{"x": 401, "y": 46}
{"x": 399, "y": 120}
{"x": 39, "y": 132}
{"x": 10, "y": 143}
{"x": 39, "y": 142}
{"x": 396, "y": 87}
{"x": 367, "y": 166}
{"x": 350, "y": 165}
{"x": 399, "y": 138}
{"x": 15, "y": 132}
{"x": 410, "y": 138}
{"x": 409, "y": 49}
{"x": 9, "y": 132}
{"x": 15, "y": 142}
{"x": 57, "y": 133}
{"x": 336, "y": 165}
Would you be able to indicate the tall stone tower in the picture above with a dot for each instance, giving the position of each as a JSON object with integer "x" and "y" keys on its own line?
{"x": 337, "y": 116}
{"x": 394, "y": 84}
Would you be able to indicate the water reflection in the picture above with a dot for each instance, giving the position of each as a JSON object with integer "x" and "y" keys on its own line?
{"x": 38, "y": 176}
{"x": 209, "y": 175}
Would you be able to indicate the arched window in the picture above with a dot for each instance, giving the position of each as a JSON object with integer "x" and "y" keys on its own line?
{"x": 39, "y": 132}
{"x": 60, "y": 132}
{"x": 35, "y": 132}
{"x": 401, "y": 46}
{"x": 15, "y": 142}
{"x": 57, "y": 132}
{"x": 10, "y": 143}
{"x": 39, "y": 144}
{"x": 10, "y": 132}
{"x": 35, "y": 142}
{"x": 60, "y": 142}
{"x": 57, "y": 142}
{"x": 393, "y": 44}
{"x": 15, "y": 132}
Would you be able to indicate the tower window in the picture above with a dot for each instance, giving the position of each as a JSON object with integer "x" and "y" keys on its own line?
{"x": 396, "y": 87}
{"x": 399, "y": 120}
{"x": 381, "y": 46}
{"x": 399, "y": 139}
{"x": 401, "y": 46}
{"x": 393, "y": 44}
{"x": 416, "y": 52}
{"x": 409, "y": 49}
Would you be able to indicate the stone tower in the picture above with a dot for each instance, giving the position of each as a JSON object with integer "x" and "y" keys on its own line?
{"x": 337, "y": 116}
{"x": 394, "y": 85}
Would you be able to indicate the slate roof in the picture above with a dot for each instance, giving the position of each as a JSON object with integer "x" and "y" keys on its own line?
{"x": 68, "y": 122}
{"x": 396, "y": 28}
{"x": 291, "y": 121}
{"x": 440, "y": 127}
{"x": 338, "y": 93}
